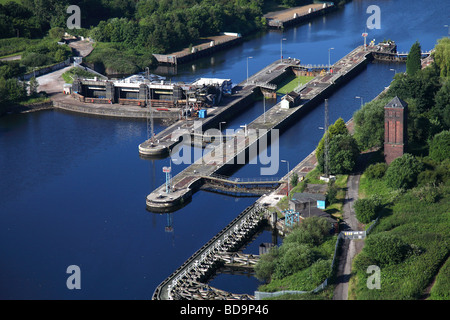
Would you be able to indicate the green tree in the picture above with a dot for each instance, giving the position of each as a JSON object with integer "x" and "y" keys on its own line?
{"x": 337, "y": 128}
{"x": 402, "y": 172}
{"x": 440, "y": 146}
{"x": 366, "y": 209}
{"x": 34, "y": 84}
{"x": 293, "y": 257}
{"x": 266, "y": 265}
{"x": 376, "y": 170}
{"x": 442, "y": 56}
{"x": 441, "y": 109}
{"x": 413, "y": 61}
{"x": 369, "y": 124}
{"x": 343, "y": 153}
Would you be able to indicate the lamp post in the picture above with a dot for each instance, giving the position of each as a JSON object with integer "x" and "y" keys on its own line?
{"x": 281, "y": 48}
{"x": 220, "y": 126}
{"x": 329, "y": 58}
{"x": 247, "y": 67}
{"x": 264, "y": 106}
{"x": 448, "y": 32}
{"x": 357, "y": 97}
{"x": 287, "y": 194}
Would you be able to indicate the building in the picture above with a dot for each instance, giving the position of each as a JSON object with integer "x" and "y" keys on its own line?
{"x": 290, "y": 100}
{"x": 315, "y": 212}
{"x": 161, "y": 94}
{"x": 304, "y": 201}
{"x": 395, "y": 129}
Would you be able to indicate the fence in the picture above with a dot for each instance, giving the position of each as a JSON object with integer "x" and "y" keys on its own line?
{"x": 342, "y": 235}
{"x": 40, "y": 72}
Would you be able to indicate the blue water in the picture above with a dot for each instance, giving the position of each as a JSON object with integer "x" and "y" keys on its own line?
{"x": 73, "y": 188}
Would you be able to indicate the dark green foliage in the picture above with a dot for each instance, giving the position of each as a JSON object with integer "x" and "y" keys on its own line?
{"x": 385, "y": 248}
{"x": 442, "y": 57}
{"x": 294, "y": 179}
{"x": 320, "y": 270}
{"x": 293, "y": 257}
{"x": 266, "y": 265}
{"x": 332, "y": 192}
{"x": 376, "y": 170}
{"x": 440, "y": 146}
{"x": 343, "y": 154}
{"x": 369, "y": 124}
{"x": 402, "y": 172}
{"x": 366, "y": 209}
{"x": 342, "y": 151}
{"x": 297, "y": 251}
{"x": 441, "y": 109}
{"x": 413, "y": 63}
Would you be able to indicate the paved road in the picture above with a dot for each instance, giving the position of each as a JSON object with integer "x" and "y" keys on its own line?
{"x": 350, "y": 248}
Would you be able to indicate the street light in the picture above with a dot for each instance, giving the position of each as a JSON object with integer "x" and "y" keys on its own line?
{"x": 245, "y": 129}
{"x": 264, "y": 105}
{"x": 220, "y": 126}
{"x": 395, "y": 71}
{"x": 329, "y": 58}
{"x": 447, "y": 26}
{"x": 288, "y": 177}
{"x": 281, "y": 48}
{"x": 247, "y": 67}
{"x": 361, "y": 100}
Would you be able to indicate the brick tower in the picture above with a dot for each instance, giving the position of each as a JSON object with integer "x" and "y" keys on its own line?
{"x": 395, "y": 129}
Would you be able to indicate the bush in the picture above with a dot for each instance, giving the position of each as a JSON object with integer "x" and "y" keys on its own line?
{"x": 320, "y": 271}
{"x": 366, "y": 209}
{"x": 385, "y": 248}
{"x": 312, "y": 231}
{"x": 266, "y": 265}
{"x": 376, "y": 171}
{"x": 293, "y": 258}
{"x": 402, "y": 172}
{"x": 440, "y": 146}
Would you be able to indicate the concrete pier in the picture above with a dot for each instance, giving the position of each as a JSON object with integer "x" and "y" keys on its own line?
{"x": 243, "y": 95}
{"x": 189, "y": 180}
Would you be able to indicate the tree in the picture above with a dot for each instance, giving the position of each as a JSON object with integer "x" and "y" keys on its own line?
{"x": 376, "y": 170}
{"x": 413, "y": 61}
{"x": 369, "y": 124}
{"x": 337, "y": 128}
{"x": 293, "y": 257}
{"x": 34, "y": 84}
{"x": 266, "y": 265}
{"x": 440, "y": 146}
{"x": 343, "y": 153}
{"x": 402, "y": 172}
{"x": 366, "y": 209}
{"x": 442, "y": 56}
{"x": 441, "y": 109}
{"x": 294, "y": 179}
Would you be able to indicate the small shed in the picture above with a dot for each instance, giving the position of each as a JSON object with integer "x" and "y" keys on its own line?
{"x": 301, "y": 201}
{"x": 290, "y": 100}
{"x": 315, "y": 212}
{"x": 67, "y": 88}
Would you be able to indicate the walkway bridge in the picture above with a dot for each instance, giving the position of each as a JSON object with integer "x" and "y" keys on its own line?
{"x": 240, "y": 186}
{"x": 188, "y": 281}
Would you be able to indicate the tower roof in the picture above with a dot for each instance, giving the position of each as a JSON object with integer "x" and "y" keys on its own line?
{"x": 396, "y": 103}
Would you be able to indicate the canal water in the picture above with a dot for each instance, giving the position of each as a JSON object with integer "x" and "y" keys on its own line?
{"x": 73, "y": 187}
